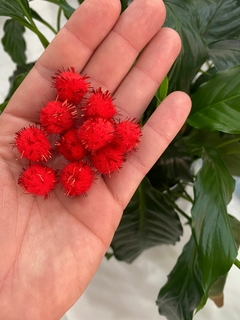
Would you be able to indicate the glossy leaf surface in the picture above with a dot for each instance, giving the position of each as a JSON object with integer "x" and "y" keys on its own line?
{"x": 65, "y": 6}
{"x": 173, "y": 166}
{"x": 13, "y": 41}
{"x": 216, "y": 103}
{"x": 11, "y": 8}
{"x": 182, "y": 293}
{"x": 225, "y": 53}
{"x": 216, "y": 290}
{"x": 208, "y": 30}
{"x": 148, "y": 220}
{"x": 194, "y": 52}
{"x": 211, "y": 226}
{"x": 218, "y": 19}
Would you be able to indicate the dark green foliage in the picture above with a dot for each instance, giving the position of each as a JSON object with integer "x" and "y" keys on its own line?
{"x": 182, "y": 293}
{"x": 13, "y": 41}
{"x": 148, "y": 220}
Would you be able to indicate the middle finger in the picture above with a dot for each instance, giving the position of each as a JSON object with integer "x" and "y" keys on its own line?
{"x": 117, "y": 53}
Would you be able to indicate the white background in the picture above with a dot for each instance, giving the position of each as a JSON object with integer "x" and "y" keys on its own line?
{"x": 120, "y": 291}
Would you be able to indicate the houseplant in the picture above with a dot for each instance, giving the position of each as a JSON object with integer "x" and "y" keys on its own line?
{"x": 208, "y": 70}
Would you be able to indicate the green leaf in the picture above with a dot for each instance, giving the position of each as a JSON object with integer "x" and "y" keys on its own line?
{"x": 37, "y": 17}
{"x": 216, "y": 291}
{"x": 162, "y": 91}
{"x": 109, "y": 255}
{"x": 18, "y": 10}
{"x": 17, "y": 77}
{"x": 174, "y": 165}
{"x": 230, "y": 151}
{"x": 148, "y": 220}
{"x": 17, "y": 81}
{"x": 194, "y": 51}
{"x": 11, "y": 8}
{"x": 204, "y": 77}
{"x": 67, "y": 9}
{"x": 216, "y": 246}
{"x": 225, "y": 54}
{"x": 3, "y": 106}
{"x": 25, "y": 6}
{"x": 232, "y": 161}
{"x": 205, "y": 26}
{"x": 124, "y": 4}
{"x": 218, "y": 23}
{"x": 228, "y": 145}
{"x": 216, "y": 103}
{"x": 218, "y": 20}
{"x": 182, "y": 293}
{"x": 13, "y": 41}
{"x": 235, "y": 224}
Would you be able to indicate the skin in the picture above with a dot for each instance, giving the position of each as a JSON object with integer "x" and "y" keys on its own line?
{"x": 50, "y": 249}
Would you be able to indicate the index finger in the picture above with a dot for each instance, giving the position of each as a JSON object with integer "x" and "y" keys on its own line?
{"x": 73, "y": 46}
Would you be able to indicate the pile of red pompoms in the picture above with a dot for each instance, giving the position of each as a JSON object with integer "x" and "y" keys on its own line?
{"x": 86, "y": 132}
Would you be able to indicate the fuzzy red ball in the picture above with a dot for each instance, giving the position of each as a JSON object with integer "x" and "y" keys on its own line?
{"x": 100, "y": 140}
{"x": 95, "y": 133}
{"x": 128, "y": 134}
{"x": 38, "y": 180}
{"x": 100, "y": 104}
{"x": 33, "y": 144}
{"x": 57, "y": 116}
{"x": 76, "y": 178}
{"x": 70, "y": 146}
{"x": 108, "y": 159}
{"x": 70, "y": 85}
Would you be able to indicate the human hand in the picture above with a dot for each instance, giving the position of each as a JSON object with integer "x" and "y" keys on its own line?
{"x": 51, "y": 249}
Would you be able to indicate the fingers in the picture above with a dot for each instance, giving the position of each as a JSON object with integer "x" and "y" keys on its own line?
{"x": 142, "y": 82}
{"x": 116, "y": 55}
{"x": 158, "y": 132}
{"x": 81, "y": 35}
{"x": 76, "y": 42}
{"x": 73, "y": 46}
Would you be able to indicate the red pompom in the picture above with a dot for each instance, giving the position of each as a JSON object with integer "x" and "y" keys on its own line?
{"x": 70, "y": 146}
{"x": 99, "y": 139}
{"x": 76, "y": 178}
{"x": 100, "y": 104}
{"x": 127, "y": 135}
{"x": 33, "y": 144}
{"x": 70, "y": 85}
{"x": 95, "y": 133}
{"x": 38, "y": 180}
{"x": 57, "y": 116}
{"x": 107, "y": 159}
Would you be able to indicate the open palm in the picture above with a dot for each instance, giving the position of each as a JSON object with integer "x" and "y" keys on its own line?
{"x": 50, "y": 249}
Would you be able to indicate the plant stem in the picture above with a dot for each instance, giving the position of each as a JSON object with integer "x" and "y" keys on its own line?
{"x": 49, "y": 26}
{"x": 32, "y": 26}
{"x": 237, "y": 263}
{"x": 42, "y": 38}
{"x": 228, "y": 142}
{"x": 176, "y": 207}
{"x": 34, "y": 29}
{"x": 59, "y": 18}
{"x": 185, "y": 195}
{"x": 232, "y": 152}
{"x": 141, "y": 206}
